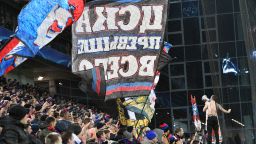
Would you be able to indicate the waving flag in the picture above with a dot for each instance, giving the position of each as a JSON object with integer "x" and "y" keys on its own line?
{"x": 195, "y": 112}
{"x": 229, "y": 67}
{"x": 39, "y": 22}
{"x": 124, "y": 38}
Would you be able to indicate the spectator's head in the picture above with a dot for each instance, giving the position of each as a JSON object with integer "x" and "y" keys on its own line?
{"x": 7, "y": 98}
{"x": 51, "y": 121}
{"x": 107, "y": 133}
{"x": 159, "y": 133}
{"x": 56, "y": 114}
{"x": 64, "y": 114}
{"x": 101, "y": 135}
{"x": 38, "y": 107}
{"x": 151, "y": 135}
{"x": 75, "y": 128}
{"x": 164, "y": 127}
{"x": 100, "y": 125}
{"x": 128, "y": 135}
{"x": 67, "y": 138}
{"x": 205, "y": 98}
{"x": 179, "y": 132}
{"x": 35, "y": 128}
{"x": 53, "y": 138}
{"x": 19, "y": 113}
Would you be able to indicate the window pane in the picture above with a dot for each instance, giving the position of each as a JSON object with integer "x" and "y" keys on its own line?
{"x": 179, "y": 99}
{"x": 240, "y": 47}
{"x": 235, "y": 114}
{"x": 163, "y": 100}
{"x": 163, "y": 84}
{"x": 224, "y": 6}
{"x": 194, "y": 75}
{"x": 230, "y": 94}
{"x": 175, "y": 10}
{"x": 210, "y": 51}
{"x": 177, "y": 69}
{"x": 207, "y": 7}
{"x": 212, "y": 81}
{"x": 227, "y": 49}
{"x": 177, "y": 52}
{"x": 226, "y": 27}
{"x": 178, "y": 83}
{"x": 163, "y": 115}
{"x": 181, "y": 124}
{"x": 214, "y": 91}
{"x": 229, "y": 79}
{"x": 247, "y": 115}
{"x": 208, "y": 22}
{"x": 190, "y": 8}
{"x": 180, "y": 113}
{"x": 244, "y": 79}
{"x": 191, "y": 31}
{"x": 236, "y": 5}
{"x": 209, "y": 36}
{"x": 245, "y": 93}
{"x": 243, "y": 65}
{"x": 193, "y": 53}
{"x": 238, "y": 27}
{"x": 211, "y": 67}
{"x": 174, "y": 26}
{"x": 175, "y": 39}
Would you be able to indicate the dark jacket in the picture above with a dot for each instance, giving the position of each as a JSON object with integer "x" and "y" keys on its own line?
{"x": 13, "y": 132}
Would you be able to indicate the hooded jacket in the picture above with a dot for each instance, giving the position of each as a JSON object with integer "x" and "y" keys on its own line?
{"x": 13, "y": 132}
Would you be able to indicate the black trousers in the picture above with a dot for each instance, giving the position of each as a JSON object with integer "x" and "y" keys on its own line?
{"x": 212, "y": 123}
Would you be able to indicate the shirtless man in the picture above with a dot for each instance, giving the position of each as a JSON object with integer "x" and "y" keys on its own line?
{"x": 211, "y": 108}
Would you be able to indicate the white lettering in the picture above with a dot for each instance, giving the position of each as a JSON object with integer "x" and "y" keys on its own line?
{"x": 111, "y": 19}
{"x": 114, "y": 67}
{"x": 99, "y": 24}
{"x": 83, "y": 23}
{"x": 131, "y": 68}
{"x": 146, "y": 22}
{"x": 143, "y": 41}
{"x": 147, "y": 65}
{"x": 122, "y": 43}
{"x": 134, "y": 17}
{"x": 130, "y": 17}
{"x": 133, "y": 42}
{"x": 154, "y": 42}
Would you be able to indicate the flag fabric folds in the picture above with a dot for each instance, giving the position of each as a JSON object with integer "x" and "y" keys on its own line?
{"x": 39, "y": 22}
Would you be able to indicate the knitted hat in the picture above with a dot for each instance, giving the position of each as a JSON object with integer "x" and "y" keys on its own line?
{"x": 35, "y": 128}
{"x": 164, "y": 126}
{"x": 159, "y": 133}
{"x": 151, "y": 135}
{"x": 172, "y": 138}
{"x": 18, "y": 112}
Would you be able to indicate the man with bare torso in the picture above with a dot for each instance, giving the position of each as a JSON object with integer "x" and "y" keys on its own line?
{"x": 211, "y": 108}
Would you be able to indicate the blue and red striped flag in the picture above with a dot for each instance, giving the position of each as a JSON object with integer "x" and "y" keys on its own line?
{"x": 39, "y": 22}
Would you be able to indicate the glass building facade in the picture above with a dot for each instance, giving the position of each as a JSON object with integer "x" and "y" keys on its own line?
{"x": 209, "y": 40}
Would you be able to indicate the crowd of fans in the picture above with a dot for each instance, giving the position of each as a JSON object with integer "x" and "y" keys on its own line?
{"x": 29, "y": 115}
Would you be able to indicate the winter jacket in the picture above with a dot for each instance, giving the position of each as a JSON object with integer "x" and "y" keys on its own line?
{"x": 13, "y": 132}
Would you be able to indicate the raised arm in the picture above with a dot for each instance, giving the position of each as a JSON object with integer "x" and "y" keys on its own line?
{"x": 205, "y": 107}
{"x": 222, "y": 109}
